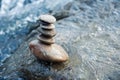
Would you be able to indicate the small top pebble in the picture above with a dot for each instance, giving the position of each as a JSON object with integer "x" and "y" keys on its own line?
{"x": 48, "y": 18}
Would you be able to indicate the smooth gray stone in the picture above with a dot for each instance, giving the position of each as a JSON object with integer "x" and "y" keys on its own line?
{"x": 47, "y": 18}
{"x": 49, "y": 27}
{"x": 46, "y": 40}
{"x": 47, "y": 33}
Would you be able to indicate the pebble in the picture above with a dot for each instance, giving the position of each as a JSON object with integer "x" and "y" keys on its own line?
{"x": 50, "y": 26}
{"x": 48, "y": 33}
{"x": 48, "y": 18}
{"x": 46, "y": 40}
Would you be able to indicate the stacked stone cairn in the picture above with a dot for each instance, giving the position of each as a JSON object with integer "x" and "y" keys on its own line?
{"x": 47, "y": 29}
{"x": 44, "y": 47}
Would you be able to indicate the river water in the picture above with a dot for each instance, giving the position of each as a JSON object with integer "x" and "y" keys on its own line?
{"x": 14, "y": 17}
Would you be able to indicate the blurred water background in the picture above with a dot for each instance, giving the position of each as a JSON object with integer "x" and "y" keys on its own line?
{"x": 101, "y": 34}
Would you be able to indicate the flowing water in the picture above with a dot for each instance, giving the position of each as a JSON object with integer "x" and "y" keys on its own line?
{"x": 14, "y": 18}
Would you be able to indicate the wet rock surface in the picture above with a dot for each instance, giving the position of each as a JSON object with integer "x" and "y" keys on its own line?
{"x": 90, "y": 33}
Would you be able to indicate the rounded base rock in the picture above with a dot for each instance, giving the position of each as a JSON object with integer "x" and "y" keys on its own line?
{"x": 51, "y": 53}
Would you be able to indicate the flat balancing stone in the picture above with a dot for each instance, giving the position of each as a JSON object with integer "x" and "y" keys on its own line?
{"x": 50, "y": 26}
{"x": 45, "y": 39}
{"x": 52, "y": 53}
{"x": 47, "y": 18}
{"x": 48, "y": 33}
